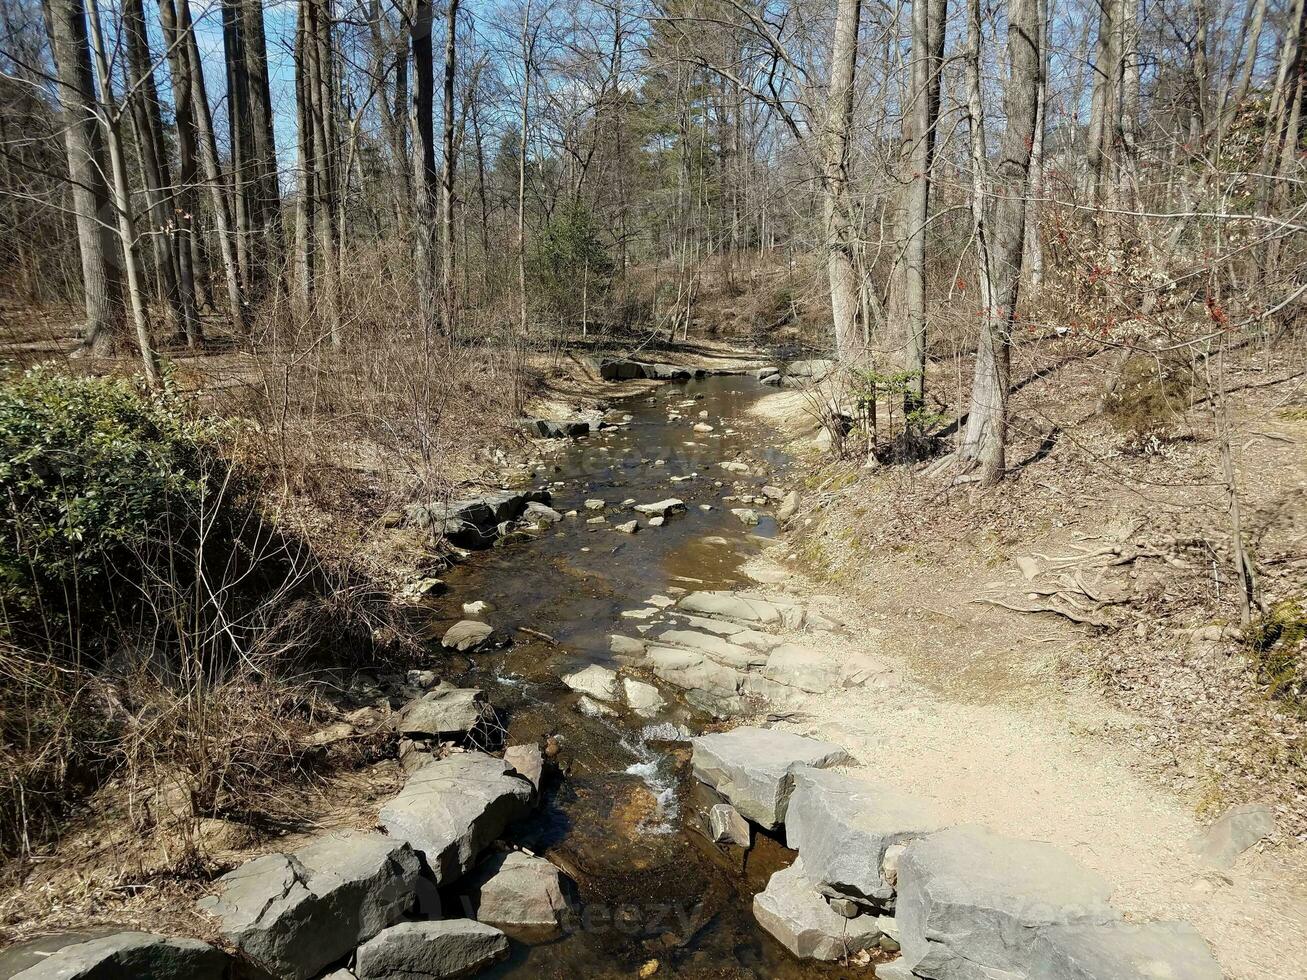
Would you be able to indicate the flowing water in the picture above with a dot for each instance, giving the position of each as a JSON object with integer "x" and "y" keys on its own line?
{"x": 650, "y": 888}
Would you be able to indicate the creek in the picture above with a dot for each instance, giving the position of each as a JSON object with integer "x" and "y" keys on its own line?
{"x": 651, "y": 888}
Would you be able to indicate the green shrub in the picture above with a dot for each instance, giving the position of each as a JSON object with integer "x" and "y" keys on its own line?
{"x": 1151, "y": 395}
{"x": 1278, "y": 644}
{"x": 100, "y": 480}
{"x": 570, "y": 267}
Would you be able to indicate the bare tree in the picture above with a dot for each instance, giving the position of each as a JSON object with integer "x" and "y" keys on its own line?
{"x": 101, "y": 274}
{"x": 841, "y": 238}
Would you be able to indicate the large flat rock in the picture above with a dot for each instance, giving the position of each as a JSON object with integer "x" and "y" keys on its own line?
{"x": 431, "y": 951}
{"x": 720, "y": 649}
{"x": 971, "y": 902}
{"x": 296, "y": 913}
{"x": 729, "y": 605}
{"x": 803, "y": 667}
{"x": 451, "y": 809}
{"x": 1123, "y": 951}
{"x": 695, "y": 671}
{"x": 443, "y": 712}
{"x": 842, "y": 824}
{"x": 754, "y": 768}
{"x": 474, "y": 522}
{"x": 125, "y": 956}
{"x": 793, "y": 911}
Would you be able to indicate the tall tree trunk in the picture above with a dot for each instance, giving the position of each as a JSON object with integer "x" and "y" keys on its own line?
{"x": 184, "y": 201}
{"x": 447, "y": 180}
{"x": 122, "y": 197}
{"x": 267, "y": 197}
{"x": 148, "y": 126}
{"x": 304, "y": 192}
{"x": 209, "y": 158}
{"x": 908, "y": 293}
{"x": 1034, "y": 247}
{"x": 1001, "y": 231}
{"x": 426, "y": 177}
{"x": 841, "y": 238}
{"x": 528, "y": 46}
{"x": 98, "y": 249}
{"x": 322, "y": 115}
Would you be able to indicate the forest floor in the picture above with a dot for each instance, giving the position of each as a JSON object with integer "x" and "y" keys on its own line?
{"x": 1117, "y": 737}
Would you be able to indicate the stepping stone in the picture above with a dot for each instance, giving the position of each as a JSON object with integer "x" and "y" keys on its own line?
{"x": 970, "y": 896}
{"x": 451, "y": 809}
{"x": 644, "y": 699}
{"x": 662, "y": 508}
{"x": 731, "y": 606}
{"x": 843, "y": 824}
{"x": 519, "y": 893}
{"x": 793, "y": 911}
{"x": 596, "y": 681}
{"x": 296, "y": 913}
{"x": 754, "y": 768}
{"x": 120, "y": 954}
{"x": 466, "y": 634}
{"x": 443, "y": 712}
{"x": 431, "y": 950}
{"x": 723, "y": 651}
{"x": 696, "y": 672}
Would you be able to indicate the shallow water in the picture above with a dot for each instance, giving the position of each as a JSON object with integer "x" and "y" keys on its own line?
{"x": 649, "y": 887}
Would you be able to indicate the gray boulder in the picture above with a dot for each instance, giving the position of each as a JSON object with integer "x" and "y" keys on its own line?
{"x": 557, "y": 428}
{"x": 295, "y": 913}
{"x": 443, "y": 712}
{"x": 697, "y": 673}
{"x": 595, "y": 680}
{"x": 528, "y": 761}
{"x": 430, "y": 950}
{"x": 970, "y": 902}
{"x": 718, "y": 648}
{"x": 541, "y": 514}
{"x": 467, "y": 635}
{"x": 119, "y": 956}
{"x": 789, "y": 506}
{"x": 814, "y": 369}
{"x": 793, "y": 911}
{"x": 451, "y": 809}
{"x": 1123, "y": 951}
{"x": 1238, "y": 829}
{"x": 843, "y": 824}
{"x": 662, "y": 508}
{"x": 519, "y": 893}
{"x": 474, "y": 522}
{"x": 644, "y": 699}
{"x": 754, "y": 768}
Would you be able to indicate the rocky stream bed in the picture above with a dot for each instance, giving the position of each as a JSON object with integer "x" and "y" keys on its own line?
{"x": 593, "y": 788}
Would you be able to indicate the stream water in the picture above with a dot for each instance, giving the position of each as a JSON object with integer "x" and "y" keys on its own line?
{"x": 650, "y": 887}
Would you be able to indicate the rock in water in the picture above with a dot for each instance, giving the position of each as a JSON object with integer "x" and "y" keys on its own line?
{"x": 1123, "y": 951}
{"x": 1238, "y": 829}
{"x": 430, "y": 950}
{"x": 627, "y": 527}
{"x": 126, "y": 955}
{"x": 466, "y": 634}
{"x": 519, "y": 892}
{"x": 754, "y": 768}
{"x": 644, "y": 699}
{"x": 843, "y": 825}
{"x": 662, "y": 508}
{"x": 793, "y": 911}
{"x": 295, "y": 913}
{"x": 536, "y": 512}
{"x": 451, "y": 809}
{"x": 728, "y": 827}
{"x": 444, "y": 712}
{"x": 529, "y": 762}
{"x": 599, "y": 682}
{"x": 731, "y": 606}
{"x": 971, "y": 902}
{"x": 746, "y": 516}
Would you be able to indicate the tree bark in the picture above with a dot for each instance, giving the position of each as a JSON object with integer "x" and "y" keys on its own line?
{"x": 909, "y": 292}
{"x": 97, "y": 247}
{"x": 122, "y": 198}
{"x": 1001, "y": 231}
{"x": 209, "y": 158}
{"x": 426, "y": 178}
{"x": 841, "y": 237}
{"x": 447, "y": 179}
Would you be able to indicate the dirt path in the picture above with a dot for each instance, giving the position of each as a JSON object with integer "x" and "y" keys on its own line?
{"x": 970, "y": 711}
